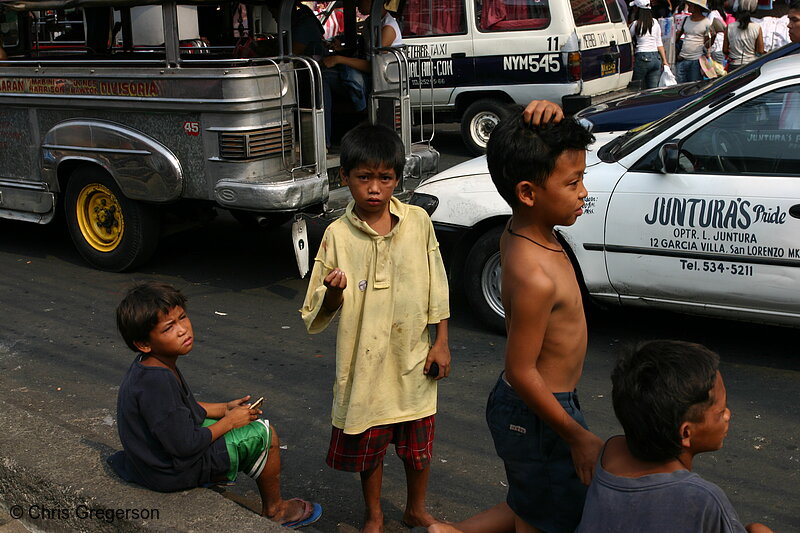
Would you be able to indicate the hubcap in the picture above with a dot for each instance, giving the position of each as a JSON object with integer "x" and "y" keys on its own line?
{"x": 100, "y": 217}
{"x": 481, "y": 126}
{"x": 490, "y": 284}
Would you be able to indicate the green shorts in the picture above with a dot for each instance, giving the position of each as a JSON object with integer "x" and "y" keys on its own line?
{"x": 248, "y": 447}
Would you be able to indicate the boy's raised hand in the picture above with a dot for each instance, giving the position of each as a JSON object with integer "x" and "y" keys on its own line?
{"x": 236, "y": 403}
{"x": 336, "y": 283}
{"x": 540, "y": 112}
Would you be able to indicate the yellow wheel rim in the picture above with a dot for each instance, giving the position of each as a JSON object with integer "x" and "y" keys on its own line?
{"x": 100, "y": 217}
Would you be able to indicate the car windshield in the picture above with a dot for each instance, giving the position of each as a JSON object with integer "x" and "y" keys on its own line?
{"x": 633, "y": 139}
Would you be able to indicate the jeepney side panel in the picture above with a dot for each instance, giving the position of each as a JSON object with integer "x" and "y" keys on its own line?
{"x": 143, "y": 168}
{"x": 184, "y": 115}
{"x": 18, "y": 144}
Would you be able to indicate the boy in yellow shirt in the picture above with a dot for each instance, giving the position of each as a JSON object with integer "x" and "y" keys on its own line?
{"x": 379, "y": 266}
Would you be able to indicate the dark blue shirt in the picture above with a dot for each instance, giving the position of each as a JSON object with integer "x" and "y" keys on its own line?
{"x": 678, "y": 501}
{"x": 160, "y": 427}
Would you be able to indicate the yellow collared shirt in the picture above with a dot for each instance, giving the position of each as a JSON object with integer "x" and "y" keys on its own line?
{"x": 396, "y": 286}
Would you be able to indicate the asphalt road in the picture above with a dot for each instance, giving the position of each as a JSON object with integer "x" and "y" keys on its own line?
{"x": 61, "y": 356}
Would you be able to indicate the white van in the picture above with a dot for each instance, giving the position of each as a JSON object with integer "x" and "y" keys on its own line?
{"x": 476, "y": 55}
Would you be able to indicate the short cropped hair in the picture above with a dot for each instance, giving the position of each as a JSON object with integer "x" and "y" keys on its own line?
{"x": 656, "y": 387}
{"x": 372, "y": 144}
{"x": 519, "y": 152}
{"x": 138, "y": 312}
{"x": 794, "y": 5}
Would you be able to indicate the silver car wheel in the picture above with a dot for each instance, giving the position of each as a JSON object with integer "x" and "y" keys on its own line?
{"x": 490, "y": 284}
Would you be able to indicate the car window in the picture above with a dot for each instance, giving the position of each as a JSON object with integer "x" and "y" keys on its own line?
{"x": 588, "y": 12}
{"x": 434, "y": 17}
{"x": 613, "y": 11}
{"x": 504, "y": 15}
{"x": 760, "y": 136}
{"x": 632, "y": 140}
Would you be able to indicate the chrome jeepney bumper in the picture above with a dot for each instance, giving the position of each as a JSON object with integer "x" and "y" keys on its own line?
{"x": 256, "y": 194}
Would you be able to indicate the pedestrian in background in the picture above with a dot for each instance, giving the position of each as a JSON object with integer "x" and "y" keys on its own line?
{"x": 697, "y": 40}
{"x": 744, "y": 40}
{"x": 650, "y": 56}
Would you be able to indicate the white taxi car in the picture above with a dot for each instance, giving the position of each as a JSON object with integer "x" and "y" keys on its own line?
{"x": 697, "y": 212}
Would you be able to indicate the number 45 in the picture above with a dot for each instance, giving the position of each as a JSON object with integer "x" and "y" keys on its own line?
{"x": 191, "y": 128}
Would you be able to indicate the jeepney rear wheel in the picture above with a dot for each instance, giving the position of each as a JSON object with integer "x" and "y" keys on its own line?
{"x": 110, "y": 231}
{"x": 477, "y": 124}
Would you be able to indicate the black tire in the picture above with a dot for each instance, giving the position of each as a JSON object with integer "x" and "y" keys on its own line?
{"x": 477, "y": 124}
{"x": 110, "y": 231}
{"x": 482, "y": 279}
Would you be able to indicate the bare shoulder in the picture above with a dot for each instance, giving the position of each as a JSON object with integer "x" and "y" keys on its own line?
{"x": 525, "y": 270}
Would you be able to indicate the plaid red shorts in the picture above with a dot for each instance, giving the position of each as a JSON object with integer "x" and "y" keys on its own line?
{"x": 413, "y": 443}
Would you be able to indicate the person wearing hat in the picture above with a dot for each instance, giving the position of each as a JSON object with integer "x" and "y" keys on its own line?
{"x": 697, "y": 32}
{"x": 744, "y": 40}
{"x": 650, "y": 55}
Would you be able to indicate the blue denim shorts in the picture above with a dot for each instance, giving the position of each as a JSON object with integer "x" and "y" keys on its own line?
{"x": 543, "y": 487}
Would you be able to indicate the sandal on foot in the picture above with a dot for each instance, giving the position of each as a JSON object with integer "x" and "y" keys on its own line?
{"x": 311, "y": 513}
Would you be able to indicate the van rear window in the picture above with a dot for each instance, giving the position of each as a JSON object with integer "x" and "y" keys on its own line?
{"x": 504, "y": 15}
{"x": 433, "y": 17}
{"x": 588, "y": 12}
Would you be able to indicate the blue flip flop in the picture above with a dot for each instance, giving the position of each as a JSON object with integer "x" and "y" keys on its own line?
{"x": 312, "y": 513}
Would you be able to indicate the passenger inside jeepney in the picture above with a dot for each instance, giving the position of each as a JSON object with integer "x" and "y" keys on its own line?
{"x": 307, "y": 31}
{"x": 347, "y": 76}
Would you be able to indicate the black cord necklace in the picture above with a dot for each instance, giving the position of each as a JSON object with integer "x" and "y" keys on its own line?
{"x": 557, "y": 250}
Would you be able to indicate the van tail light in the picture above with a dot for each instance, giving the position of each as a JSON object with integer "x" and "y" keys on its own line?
{"x": 574, "y": 65}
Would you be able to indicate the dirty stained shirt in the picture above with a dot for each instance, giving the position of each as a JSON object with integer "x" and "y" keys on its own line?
{"x": 396, "y": 286}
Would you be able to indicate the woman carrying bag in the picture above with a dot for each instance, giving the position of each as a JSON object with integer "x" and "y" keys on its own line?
{"x": 744, "y": 40}
{"x": 650, "y": 55}
{"x": 698, "y": 37}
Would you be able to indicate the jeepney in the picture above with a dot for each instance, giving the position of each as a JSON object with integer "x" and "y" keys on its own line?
{"x": 121, "y": 110}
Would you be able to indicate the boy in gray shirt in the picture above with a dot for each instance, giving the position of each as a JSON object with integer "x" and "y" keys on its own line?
{"x": 671, "y": 401}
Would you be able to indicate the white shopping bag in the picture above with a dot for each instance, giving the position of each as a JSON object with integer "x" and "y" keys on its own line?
{"x": 667, "y": 77}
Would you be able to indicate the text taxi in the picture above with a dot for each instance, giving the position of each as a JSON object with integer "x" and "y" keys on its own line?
{"x": 698, "y": 212}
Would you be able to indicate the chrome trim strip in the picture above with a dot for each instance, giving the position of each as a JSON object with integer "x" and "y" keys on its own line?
{"x": 96, "y": 149}
{"x": 11, "y": 184}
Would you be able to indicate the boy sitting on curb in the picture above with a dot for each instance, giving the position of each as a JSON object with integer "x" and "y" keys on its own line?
{"x": 173, "y": 442}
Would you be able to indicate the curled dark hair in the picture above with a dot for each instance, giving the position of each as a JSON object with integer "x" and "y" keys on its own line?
{"x": 658, "y": 386}
{"x": 138, "y": 312}
{"x": 519, "y": 152}
{"x": 373, "y": 145}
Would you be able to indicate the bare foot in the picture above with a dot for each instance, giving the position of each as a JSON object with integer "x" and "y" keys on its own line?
{"x": 423, "y": 519}
{"x": 443, "y": 527}
{"x": 373, "y": 522}
{"x": 287, "y": 511}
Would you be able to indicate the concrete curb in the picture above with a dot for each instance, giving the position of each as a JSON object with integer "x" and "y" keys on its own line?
{"x": 57, "y": 480}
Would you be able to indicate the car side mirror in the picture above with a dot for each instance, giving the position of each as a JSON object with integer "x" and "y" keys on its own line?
{"x": 669, "y": 157}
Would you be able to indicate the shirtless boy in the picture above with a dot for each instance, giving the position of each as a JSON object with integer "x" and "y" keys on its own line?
{"x": 533, "y": 411}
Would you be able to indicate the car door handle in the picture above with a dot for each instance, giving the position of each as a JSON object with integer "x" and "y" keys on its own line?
{"x": 458, "y": 55}
{"x": 795, "y": 211}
